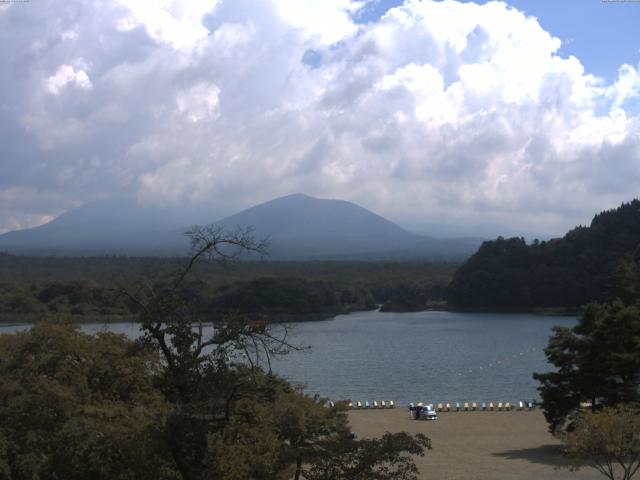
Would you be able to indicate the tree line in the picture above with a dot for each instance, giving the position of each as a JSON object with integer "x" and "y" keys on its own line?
{"x": 561, "y": 273}
{"x": 32, "y": 288}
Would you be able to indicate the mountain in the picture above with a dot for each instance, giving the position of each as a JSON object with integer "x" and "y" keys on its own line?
{"x": 564, "y": 272}
{"x": 298, "y": 226}
{"x": 304, "y": 227}
{"x": 113, "y": 226}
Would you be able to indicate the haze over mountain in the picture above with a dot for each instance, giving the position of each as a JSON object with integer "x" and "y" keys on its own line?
{"x": 114, "y": 226}
{"x": 299, "y": 227}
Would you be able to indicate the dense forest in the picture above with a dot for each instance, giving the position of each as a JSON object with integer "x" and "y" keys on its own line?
{"x": 88, "y": 288}
{"x": 561, "y": 273}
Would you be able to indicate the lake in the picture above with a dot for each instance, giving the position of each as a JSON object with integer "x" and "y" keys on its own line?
{"x": 410, "y": 357}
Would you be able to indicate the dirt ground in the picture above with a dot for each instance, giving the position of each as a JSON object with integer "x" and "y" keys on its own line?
{"x": 477, "y": 445}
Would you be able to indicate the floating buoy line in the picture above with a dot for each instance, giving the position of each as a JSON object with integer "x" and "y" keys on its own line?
{"x": 499, "y": 362}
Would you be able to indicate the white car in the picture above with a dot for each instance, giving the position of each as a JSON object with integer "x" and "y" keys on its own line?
{"x": 429, "y": 413}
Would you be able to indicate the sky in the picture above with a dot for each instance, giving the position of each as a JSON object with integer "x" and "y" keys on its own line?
{"x": 523, "y": 115}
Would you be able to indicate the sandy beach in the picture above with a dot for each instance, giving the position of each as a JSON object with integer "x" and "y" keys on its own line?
{"x": 477, "y": 445}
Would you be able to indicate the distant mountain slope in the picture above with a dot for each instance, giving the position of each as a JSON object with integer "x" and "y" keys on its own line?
{"x": 300, "y": 227}
{"x": 114, "y": 226}
{"x": 300, "y": 215}
{"x": 565, "y": 272}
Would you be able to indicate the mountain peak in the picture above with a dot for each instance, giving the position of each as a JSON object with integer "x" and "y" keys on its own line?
{"x": 295, "y": 196}
{"x": 298, "y": 215}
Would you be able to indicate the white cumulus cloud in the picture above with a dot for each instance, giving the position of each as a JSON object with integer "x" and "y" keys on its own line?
{"x": 66, "y": 75}
{"x": 177, "y": 23}
{"x": 440, "y": 110}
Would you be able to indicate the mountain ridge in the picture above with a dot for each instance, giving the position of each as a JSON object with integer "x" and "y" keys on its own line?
{"x": 300, "y": 227}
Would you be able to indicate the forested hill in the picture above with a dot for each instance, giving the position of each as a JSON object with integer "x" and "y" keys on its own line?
{"x": 565, "y": 272}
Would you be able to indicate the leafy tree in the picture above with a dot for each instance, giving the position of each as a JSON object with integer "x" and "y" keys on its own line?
{"x": 249, "y": 445}
{"x": 608, "y": 441}
{"x": 314, "y": 442}
{"x": 204, "y": 375}
{"x": 77, "y": 406}
{"x": 626, "y": 278}
{"x": 388, "y": 457}
{"x": 598, "y": 360}
{"x": 306, "y": 425}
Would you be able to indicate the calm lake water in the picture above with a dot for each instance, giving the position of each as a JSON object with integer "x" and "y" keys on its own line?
{"x": 411, "y": 357}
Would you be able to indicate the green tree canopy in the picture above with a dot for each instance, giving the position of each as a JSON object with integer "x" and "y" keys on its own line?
{"x": 608, "y": 441}
{"x": 78, "y": 406}
{"x": 563, "y": 272}
{"x": 598, "y": 360}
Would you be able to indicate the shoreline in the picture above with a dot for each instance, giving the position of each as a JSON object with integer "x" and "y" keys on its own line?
{"x": 549, "y": 312}
{"x": 30, "y": 319}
